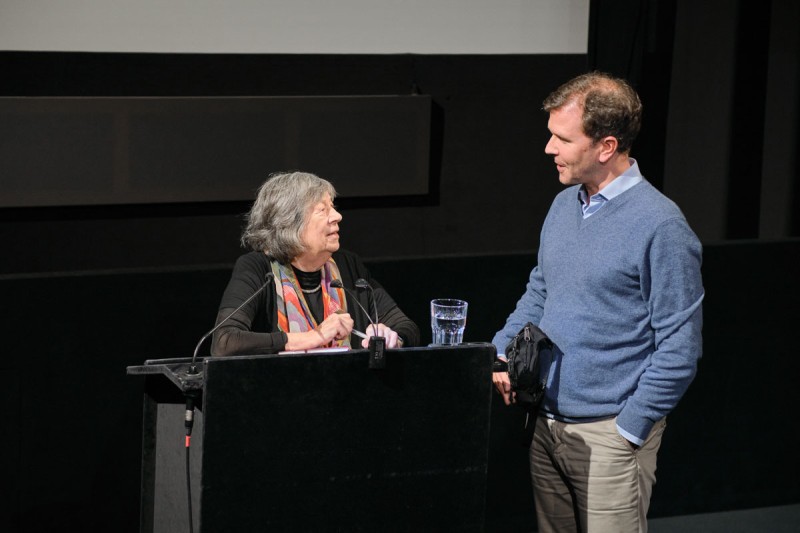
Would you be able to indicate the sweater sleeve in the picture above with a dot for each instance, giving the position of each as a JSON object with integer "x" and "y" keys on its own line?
{"x": 238, "y": 336}
{"x": 530, "y": 308}
{"x": 672, "y": 287}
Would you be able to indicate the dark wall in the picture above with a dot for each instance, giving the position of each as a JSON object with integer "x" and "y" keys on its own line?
{"x": 712, "y": 456}
{"x": 720, "y": 136}
{"x": 732, "y": 127}
{"x": 491, "y": 182}
{"x": 72, "y": 417}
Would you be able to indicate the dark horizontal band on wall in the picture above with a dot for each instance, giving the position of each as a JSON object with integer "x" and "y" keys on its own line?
{"x": 70, "y": 151}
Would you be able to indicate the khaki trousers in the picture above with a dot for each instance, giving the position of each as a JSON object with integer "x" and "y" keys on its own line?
{"x": 588, "y": 479}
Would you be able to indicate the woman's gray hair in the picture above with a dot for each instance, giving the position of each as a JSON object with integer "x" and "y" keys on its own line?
{"x": 278, "y": 217}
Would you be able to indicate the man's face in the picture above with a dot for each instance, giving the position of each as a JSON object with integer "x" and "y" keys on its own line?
{"x": 575, "y": 155}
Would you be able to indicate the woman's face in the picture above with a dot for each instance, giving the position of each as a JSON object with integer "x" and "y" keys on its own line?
{"x": 321, "y": 232}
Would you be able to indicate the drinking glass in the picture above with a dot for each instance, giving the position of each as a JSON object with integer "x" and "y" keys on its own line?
{"x": 448, "y": 319}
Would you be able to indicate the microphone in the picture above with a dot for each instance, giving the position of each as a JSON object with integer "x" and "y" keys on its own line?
{"x": 376, "y": 344}
{"x": 361, "y": 283}
{"x": 267, "y": 279}
{"x": 193, "y": 372}
{"x": 337, "y": 284}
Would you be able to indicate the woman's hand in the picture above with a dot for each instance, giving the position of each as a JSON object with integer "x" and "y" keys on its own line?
{"x": 382, "y": 330}
{"x": 336, "y": 327}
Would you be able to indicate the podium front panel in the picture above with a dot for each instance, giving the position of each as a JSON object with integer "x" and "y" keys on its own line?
{"x": 323, "y": 442}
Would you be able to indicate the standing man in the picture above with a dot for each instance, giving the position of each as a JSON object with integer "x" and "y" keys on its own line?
{"x": 618, "y": 290}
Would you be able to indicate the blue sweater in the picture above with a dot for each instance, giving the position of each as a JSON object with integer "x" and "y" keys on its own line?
{"x": 620, "y": 294}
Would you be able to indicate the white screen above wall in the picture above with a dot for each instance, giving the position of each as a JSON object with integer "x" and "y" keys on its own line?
{"x": 297, "y": 26}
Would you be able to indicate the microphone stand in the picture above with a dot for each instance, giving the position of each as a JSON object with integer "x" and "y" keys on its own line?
{"x": 193, "y": 367}
{"x": 376, "y": 345}
{"x": 192, "y": 395}
{"x": 377, "y": 357}
{"x": 361, "y": 283}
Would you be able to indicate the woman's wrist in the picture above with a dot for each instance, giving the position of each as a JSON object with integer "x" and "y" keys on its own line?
{"x": 305, "y": 340}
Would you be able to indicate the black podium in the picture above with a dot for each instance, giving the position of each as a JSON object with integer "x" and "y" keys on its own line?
{"x": 319, "y": 442}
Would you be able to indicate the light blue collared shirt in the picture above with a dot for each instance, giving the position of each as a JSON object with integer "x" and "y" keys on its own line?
{"x": 619, "y": 185}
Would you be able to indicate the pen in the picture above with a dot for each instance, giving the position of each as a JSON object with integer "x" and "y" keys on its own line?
{"x": 359, "y": 333}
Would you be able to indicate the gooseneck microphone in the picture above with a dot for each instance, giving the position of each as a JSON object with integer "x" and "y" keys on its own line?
{"x": 193, "y": 367}
{"x": 361, "y": 283}
{"x": 191, "y": 395}
{"x": 193, "y": 371}
{"x": 337, "y": 284}
{"x": 377, "y": 345}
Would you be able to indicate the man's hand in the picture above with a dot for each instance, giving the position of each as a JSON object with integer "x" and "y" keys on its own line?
{"x": 503, "y": 386}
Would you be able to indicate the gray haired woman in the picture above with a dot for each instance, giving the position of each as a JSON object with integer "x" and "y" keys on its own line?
{"x": 293, "y": 231}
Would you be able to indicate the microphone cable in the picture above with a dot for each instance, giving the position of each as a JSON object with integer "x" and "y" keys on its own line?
{"x": 191, "y": 395}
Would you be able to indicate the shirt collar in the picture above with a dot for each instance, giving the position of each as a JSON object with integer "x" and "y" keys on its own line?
{"x": 619, "y": 185}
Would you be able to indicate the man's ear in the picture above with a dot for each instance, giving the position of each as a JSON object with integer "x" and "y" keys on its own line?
{"x": 608, "y": 147}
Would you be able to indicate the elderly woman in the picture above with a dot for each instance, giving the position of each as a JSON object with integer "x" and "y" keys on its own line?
{"x": 293, "y": 230}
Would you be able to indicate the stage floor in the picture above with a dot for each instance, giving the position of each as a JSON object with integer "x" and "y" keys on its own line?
{"x": 781, "y": 519}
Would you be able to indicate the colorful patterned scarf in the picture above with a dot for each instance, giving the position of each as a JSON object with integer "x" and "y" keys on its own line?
{"x": 294, "y": 315}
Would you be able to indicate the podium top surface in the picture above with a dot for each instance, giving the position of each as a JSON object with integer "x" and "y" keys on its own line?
{"x": 178, "y": 369}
